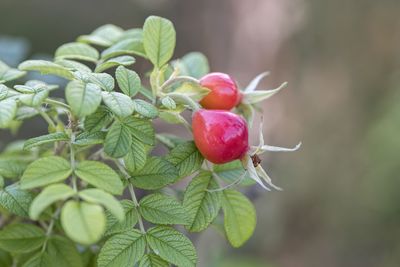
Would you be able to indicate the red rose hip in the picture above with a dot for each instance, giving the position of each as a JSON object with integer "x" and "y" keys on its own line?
{"x": 221, "y": 136}
{"x": 224, "y": 91}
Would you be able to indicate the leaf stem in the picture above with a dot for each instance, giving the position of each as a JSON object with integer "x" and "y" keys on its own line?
{"x": 178, "y": 79}
{"x": 57, "y": 103}
{"x": 121, "y": 166}
{"x": 50, "y": 228}
{"x": 72, "y": 160}
{"x": 185, "y": 99}
{"x": 47, "y": 118}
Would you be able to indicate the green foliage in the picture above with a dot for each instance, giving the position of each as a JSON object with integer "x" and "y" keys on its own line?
{"x": 240, "y": 217}
{"x": 21, "y": 238}
{"x": 100, "y": 175}
{"x": 48, "y": 196}
{"x": 75, "y": 187}
{"x": 83, "y": 222}
{"x": 84, "y": 98}
{"x": 115, "y": 226}
{"x": 172, "y": 246}
{"x": 128, "y": 81}
{"x": 202, "y": 206}
{"x": 77, "y": 51}
{"x": 15, "y": 200}
{"x": 122, "y": 250}
{"x": 45, "y": 171}
{"x": 158, "y": 40}
{"x": 161, "y": 209}
{"x": 156, "y": 173}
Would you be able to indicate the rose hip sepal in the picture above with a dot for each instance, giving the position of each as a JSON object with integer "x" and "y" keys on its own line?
{"x": 224, "y": 93}
{"x": 221, "y": 136}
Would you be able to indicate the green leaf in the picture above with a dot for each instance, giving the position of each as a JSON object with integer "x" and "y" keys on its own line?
{"x": 41, "y": 259}
{"x": 186, "y": 158}
{"x": 152, "y": 260}
{"x": 144, "y": 108}
{"x": 130, "y": 46}
{"x": 172, "y": 246}
{"x": 100, "y": 175}
{"x": 115, "y": 61}
{"x": 63, "y": 252}
{"x": 193, "y": 90}
{"x": 45, "y": 171}
{"x": 21, "y": 238}
{"x": 120, "y": 104}
{"x": 141, "y": 129}
{"x": 232, "y": 171}
{"x": 98, "y": 120}
{"x": 77, "y": 51}
{"x": 159, "y": 40}
{"x": 239, "y": 217}
{"x": 35, "y": 98}
{"x": 156, "y": 174}
{"x": 11, "y": 168}
{"x": 4, "y": 91}
{"x": 46, "y": 67}
{"x": 48, "y": 196}
{"x": 169, "y": 140}
{"x": 8, "y": 74}
{"x": 162, "y": 209}
{"x": 84, "y": 98}
{"x": 89, "y": 138}
{"x": 8, "y": 109}
{"x": 83, "y": 222}
{"x": 168, "y": 102}
{"x": 193, "y": 64}
{"x": 5, "y": 258}
{"x": 15, "y": 200}
{"x": 98, "y": 196}
{"x": 122, "y": 250}
{"x": 202, "y": 206}
{"x": 105, "y": 35}
{"x": 1, "y": 182}
{"x": 131, "y": 218}
{"x": 45, "y": 139}
{"x": 118, "y": 140}
{"x": 128, "y": 81}
{"x": 136, "y": 157}
{"x": 73, "y": 65}
{"x": 104, "y": 80}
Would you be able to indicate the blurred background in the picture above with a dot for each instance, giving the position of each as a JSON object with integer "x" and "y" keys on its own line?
{"x": 341, "y": 202}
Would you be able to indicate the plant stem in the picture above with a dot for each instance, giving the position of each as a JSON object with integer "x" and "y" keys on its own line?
{"x": 120, "y": 164}
{"x": 72, "y": 160}
{"x": 185, "y": 99}
{"x": 172, "y": 81}
{"x": 47, "y": 118}
{"x": 57, "y": 103}
{"x": 134, "y": 199}
{"x": 50, "y": 228}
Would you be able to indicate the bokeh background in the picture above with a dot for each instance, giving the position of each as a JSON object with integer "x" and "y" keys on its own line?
{"x": 341, "y": 202}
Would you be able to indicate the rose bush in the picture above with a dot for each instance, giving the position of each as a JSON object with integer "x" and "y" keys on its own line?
{"x": 70, "y": 197}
